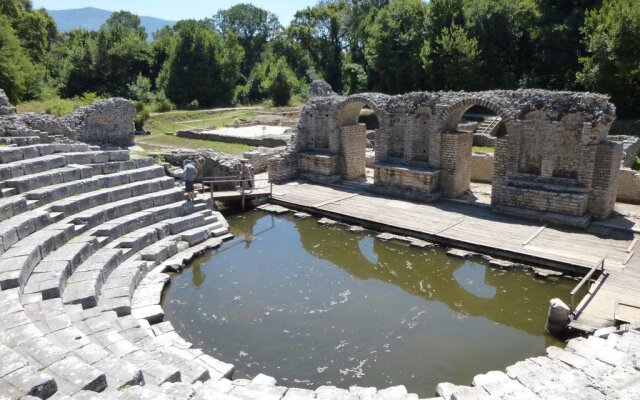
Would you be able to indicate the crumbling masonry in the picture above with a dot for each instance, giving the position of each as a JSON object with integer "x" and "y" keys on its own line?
{"x": 552, "y": 158}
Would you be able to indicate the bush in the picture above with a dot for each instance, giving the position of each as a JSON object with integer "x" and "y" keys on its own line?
{"x": 141, "y": 117}
{"x": 162, "y": 106}
{"x": 194, "y": 105}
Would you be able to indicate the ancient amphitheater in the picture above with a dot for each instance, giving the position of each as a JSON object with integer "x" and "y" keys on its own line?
{"x": 87, "y": 239}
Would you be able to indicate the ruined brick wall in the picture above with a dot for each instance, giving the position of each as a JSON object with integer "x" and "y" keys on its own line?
{"x": 603, "y": 193}
{"x": 283, "y": 168}
{"x": 544, "y": 163}
{"x": 456, "y": 163}
{"x": 352, "y": 147}
{"x": 482, "y": 167}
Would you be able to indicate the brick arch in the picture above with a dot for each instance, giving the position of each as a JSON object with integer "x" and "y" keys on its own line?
{"x": 450, "y": 116}
{"x": 348, "y": 112}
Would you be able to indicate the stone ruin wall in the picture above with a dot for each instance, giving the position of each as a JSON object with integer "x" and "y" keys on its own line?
{"x": 554, "y": 157}
{"x": 104, "y": 122}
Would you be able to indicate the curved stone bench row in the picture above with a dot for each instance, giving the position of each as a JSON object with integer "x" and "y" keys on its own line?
{"x": 44, "y": 248}
{"x": 81, "y": 278}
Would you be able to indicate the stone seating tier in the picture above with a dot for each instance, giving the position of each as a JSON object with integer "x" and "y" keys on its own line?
{"x": 83, "y": 264}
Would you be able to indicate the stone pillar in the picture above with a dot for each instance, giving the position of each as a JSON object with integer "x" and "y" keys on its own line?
{"x": 604, "y": 186}
{"x": 353, "y": 139}
{"x": 456, "y": 163}
{"x": 557, "y": 318}
{"x": 500, "y": 162}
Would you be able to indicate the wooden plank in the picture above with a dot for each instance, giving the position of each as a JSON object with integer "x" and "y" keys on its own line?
{"x": 628, "y": 258}
{"x": 526, "y": 242}
{"x": 324, "y": 203}
{"x": 632, "y": 245}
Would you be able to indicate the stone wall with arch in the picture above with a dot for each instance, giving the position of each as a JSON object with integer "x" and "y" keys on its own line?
{"x": 553, "y": 161}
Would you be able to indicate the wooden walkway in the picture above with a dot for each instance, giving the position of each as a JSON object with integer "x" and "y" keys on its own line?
{"x": 479, "y": 229}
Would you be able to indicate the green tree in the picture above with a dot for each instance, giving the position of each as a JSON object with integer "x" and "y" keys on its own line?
{"x": 164, "y": 42}
{"x": 502, "y": 30}
{"x": 122, "y": 54}
{"x": 393, "y": 49}
{"x": 203, "y": 67}
{"x": 612, "y": 63}
{"x": 453, "y": 61}
{"x": 282, "y": 83}
{"x": 318, "y": 30}
{"x": 77, "y": 63}
{"x": 254, "y": 28}
{"x": 18, "y": 75}
{"x": 557, "y": 42}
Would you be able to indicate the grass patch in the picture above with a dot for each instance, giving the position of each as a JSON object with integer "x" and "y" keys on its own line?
{"x": 636, "y": 164}
{"x": 57, "y": 106}
{"x": 173, "y": 121}
{"x": 483, "y": 149}
{"x": 160, "y": 142}
{"x": 163, "y": 126}
{"x": 630, "y": 127}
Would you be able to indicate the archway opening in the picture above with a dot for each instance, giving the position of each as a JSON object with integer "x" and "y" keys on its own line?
{"x": 369, "y": 118}
{"x": 358, "y": 122}
{"x": 485, "y": 123}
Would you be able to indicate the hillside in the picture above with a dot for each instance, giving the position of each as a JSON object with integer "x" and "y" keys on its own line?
{"x": 91, "y": 18}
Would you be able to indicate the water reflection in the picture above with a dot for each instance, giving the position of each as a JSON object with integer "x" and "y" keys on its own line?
{"x": 472, "y": 278}
{"x": 313, "y": 305}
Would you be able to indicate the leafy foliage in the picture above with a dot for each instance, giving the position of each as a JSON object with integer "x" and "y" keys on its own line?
{"x": 243, "y": 53}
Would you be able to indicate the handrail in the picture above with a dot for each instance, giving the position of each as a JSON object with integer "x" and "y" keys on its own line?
{"x": 495, "y": 122}
{"x": 242, "y": 190}
{"x": 598, "y": 266}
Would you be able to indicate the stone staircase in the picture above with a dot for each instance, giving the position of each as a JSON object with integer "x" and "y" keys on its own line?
{"x": 88, "y": 239}
{"x": 488, "y": 126}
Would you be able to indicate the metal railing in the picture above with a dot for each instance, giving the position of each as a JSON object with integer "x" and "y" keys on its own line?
{"x": 243, "y": 190}
{"x": 598, "y": 267}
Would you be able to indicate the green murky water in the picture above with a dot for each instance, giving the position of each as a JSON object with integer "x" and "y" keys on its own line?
{"x": 313, "y": 305}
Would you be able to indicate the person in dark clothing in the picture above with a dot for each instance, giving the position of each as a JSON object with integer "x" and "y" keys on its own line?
{"x": 190, "y": 172}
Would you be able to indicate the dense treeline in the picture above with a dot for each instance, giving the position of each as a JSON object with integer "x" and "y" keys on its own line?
{"x": 243, "y": 54}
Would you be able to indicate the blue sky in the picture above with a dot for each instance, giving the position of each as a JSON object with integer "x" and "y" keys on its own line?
{"x": 175, "y": 10}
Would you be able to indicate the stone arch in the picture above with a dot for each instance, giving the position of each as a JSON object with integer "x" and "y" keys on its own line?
{"x": 451, "y": 116}
{"x": 348, "y": 112}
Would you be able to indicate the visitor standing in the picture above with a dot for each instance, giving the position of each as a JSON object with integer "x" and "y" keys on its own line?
{"x": 190, "y": 172}
{"x": 245, "y": 174}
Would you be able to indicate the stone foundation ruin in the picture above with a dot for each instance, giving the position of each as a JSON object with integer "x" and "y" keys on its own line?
{"x": 104, "y": 122}
{"x": 553, "y": 160}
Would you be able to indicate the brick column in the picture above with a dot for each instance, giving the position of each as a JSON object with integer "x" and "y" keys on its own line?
{"x": 604, "y": 186}
{"x": 456, "y": 163}
{"x": 500, "y": 163}
{"x": 352, "y": 148}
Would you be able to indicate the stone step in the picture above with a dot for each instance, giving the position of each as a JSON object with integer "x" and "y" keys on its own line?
{"x": 105, "y": 196}
{"x": 96, "y": 157}
{"x": 86, "y": 282}
{"x": 8, "y": 155}
{"x": 10, "y": 207}
{"x": 8, "y": 192}
{"x": 54, "y": 272}
{"x": 20, "y": 226}
{"x": 61, "y": 191}
{"x": 21, "y": 141}
{"x": 51, "y": 177}
{"x": 19, "y": 168}
{"x": 18, "y": 378}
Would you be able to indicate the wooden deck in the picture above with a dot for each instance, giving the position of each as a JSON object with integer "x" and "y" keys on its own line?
{"x": 479, "y": 229}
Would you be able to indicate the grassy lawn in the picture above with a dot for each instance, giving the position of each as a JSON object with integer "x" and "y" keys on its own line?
{"x": 174, "y": 121}
{"x": 483, "y": 149}
{"x": 158, "y": 142}
{"x": 163, "y": 125}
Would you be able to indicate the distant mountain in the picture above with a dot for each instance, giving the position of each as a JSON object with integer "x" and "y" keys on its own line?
{"x": 91, "y": 18}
